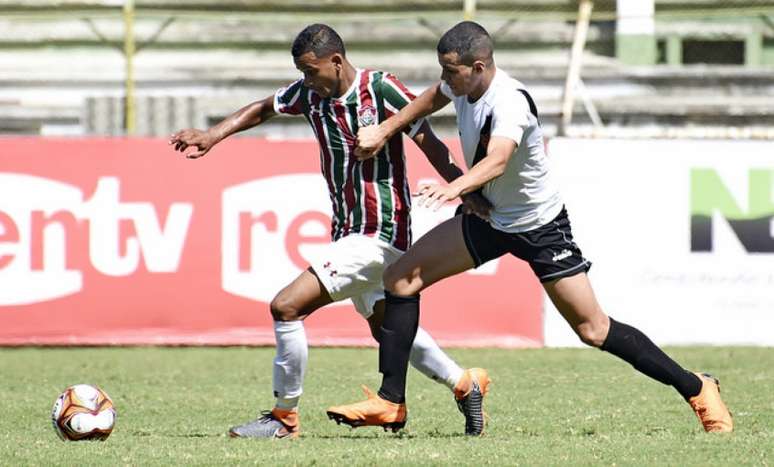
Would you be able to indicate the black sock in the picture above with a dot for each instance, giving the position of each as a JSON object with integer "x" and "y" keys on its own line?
{"x": 399, "y": 328}
{"x": 633, "y": 346}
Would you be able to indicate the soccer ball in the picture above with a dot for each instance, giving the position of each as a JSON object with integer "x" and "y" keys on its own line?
{"x": 83, "y": 412}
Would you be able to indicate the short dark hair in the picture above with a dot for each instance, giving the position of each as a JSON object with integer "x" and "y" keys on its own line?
{"x": 469, "y": 40}
{"x": 320, "y": 39}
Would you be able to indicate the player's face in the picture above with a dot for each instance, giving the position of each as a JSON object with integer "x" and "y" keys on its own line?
{"x": 320, "y": 74}
{"x": 459, "y": 77}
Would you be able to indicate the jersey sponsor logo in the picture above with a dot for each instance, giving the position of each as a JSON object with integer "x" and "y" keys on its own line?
{"x": 51, "y": 234}
{"x": 564, "y": 254}
{"x": 366, "y": 115}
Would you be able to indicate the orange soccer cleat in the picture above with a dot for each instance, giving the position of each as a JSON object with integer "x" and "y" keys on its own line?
{"x": 709, "y": 407}
{"x": 469, "y": 394}
{"x": 374, "y": 411}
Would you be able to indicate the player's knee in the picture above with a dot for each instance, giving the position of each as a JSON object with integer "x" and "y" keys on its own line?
{"x": 283, "y": 309}
{"x": 396, "y": 283}
{"x": 402, "y": 288}
{"x": 389, "y": 278}
{"x": 593, "y": 334}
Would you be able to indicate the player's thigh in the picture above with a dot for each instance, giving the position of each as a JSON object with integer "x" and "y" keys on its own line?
{"x": 300, "y": 298}
{"x": 576, "y": 302}
{"x": 550, "y": 250}
{"x": 438, "y": 254}
{"x": 352, "y": 266}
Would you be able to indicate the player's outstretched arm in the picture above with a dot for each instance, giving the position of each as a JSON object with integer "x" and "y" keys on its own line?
{"x": 436, "y": 152}
{"x": 371, "y": 139}
{"x": 247, "y": 117}
{"x": 440, "y": 157}
{"x": 499, "y": 150}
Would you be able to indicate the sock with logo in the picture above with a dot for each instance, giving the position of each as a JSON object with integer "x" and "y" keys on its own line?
{"x": 401, "y": 320}
{"x": 433, "y": 362}
{"x": 289, "y": 362}
{"x": 633, "y": 346}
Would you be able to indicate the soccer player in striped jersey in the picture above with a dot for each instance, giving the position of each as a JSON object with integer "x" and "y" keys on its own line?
{"x": 371, "y": 213}
{"x": 503, "y": 146}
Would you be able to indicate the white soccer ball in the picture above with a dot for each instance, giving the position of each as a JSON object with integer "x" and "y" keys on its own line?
{"x": 83, "y": 412}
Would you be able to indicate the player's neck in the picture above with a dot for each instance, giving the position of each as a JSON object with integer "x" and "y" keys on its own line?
{"x": 486, "y": 79}
{"x": 348, "y": 74}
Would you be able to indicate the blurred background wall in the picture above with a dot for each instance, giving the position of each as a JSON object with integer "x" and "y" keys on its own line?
{"x": 698, "y": 68}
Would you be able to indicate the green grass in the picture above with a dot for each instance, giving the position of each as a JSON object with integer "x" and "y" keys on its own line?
{"x": 547, "y": 407}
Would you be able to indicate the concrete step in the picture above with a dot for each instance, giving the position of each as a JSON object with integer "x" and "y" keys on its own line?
{"x": 266, "y": 32}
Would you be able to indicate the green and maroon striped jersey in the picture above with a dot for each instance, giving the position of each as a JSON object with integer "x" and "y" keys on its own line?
{"x": 370, "y": 197}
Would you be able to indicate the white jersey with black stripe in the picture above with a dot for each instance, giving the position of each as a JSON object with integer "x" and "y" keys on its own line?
{"x": 524, "y": 197}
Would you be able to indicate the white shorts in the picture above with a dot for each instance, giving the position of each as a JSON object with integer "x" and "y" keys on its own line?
{"x": 352, "y": 267}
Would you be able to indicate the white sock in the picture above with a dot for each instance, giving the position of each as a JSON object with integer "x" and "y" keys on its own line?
{"x": 289, "y": 363}
{"x": 429, "y": 359}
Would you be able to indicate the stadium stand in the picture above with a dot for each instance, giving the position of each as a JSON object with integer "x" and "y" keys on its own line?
{"x": 62, "y": 68}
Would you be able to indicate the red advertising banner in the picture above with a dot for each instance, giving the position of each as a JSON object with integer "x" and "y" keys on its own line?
{"x": 123, "y": 241}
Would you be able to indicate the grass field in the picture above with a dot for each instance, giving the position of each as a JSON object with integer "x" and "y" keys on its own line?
{"x": 547, "y": 407}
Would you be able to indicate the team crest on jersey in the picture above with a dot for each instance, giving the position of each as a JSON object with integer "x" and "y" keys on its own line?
{"x": 366, "y": 115}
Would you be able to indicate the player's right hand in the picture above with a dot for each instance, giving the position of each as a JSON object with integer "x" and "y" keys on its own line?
{"x": 201, "y": 140}
{"x": 370, "y": 141}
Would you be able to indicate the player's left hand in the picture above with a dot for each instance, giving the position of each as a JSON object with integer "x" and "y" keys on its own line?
{"x": 433, "y": 196}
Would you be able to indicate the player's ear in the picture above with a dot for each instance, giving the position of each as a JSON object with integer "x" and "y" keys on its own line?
{"x": 479, "y": 66}
{"x": 338, "y": 61}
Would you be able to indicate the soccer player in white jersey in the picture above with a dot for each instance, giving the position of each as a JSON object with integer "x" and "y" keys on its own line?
{"x": 503, "y": 145}
{"x": 370, "y": 222}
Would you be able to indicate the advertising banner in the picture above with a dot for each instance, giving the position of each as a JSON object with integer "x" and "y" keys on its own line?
{"x": 681, "y": 235}
{"x": 124, "y": 241}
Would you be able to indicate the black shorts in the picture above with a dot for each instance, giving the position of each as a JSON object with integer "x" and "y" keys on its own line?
{"x": 549, "y": 249}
